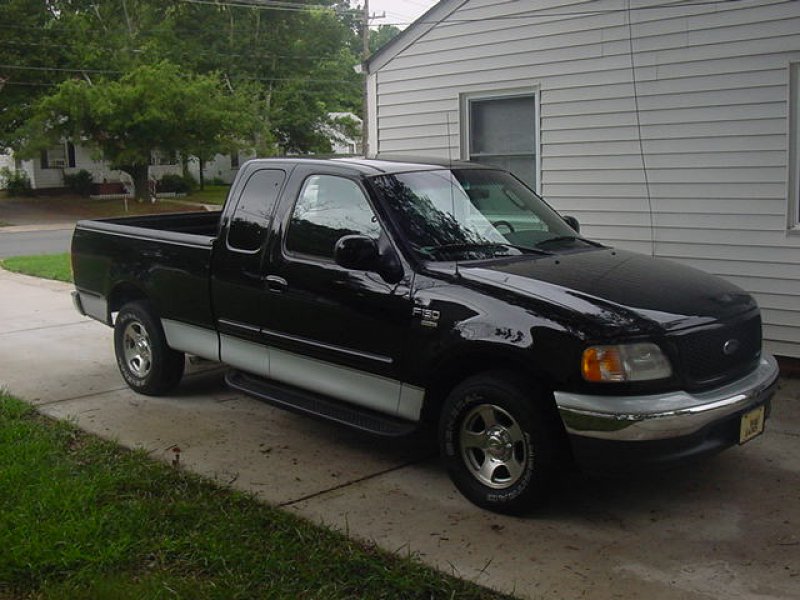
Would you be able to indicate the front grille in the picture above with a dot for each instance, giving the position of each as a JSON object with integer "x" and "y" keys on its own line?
{"x": 707, "y": 360}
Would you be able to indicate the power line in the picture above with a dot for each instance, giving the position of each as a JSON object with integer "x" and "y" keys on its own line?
{"x": 193, "y": 53}
{"x": 456, "y": 21}
{"x": 576, "y": 13}
{"x": 81, "y": 71}
{"x": 267, "y": 5}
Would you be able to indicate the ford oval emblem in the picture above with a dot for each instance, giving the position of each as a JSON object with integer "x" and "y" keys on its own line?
{"x": 730, "y": 347}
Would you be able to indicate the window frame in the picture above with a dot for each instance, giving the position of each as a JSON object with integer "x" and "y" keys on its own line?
{"x": 466, "y": 101}
{"x": 793, "y": 137}
{"x": 69, "y": 156}
{"x": 295, "y": 256}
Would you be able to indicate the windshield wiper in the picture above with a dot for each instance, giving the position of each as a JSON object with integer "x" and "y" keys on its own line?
{"x": 568, "y": 238}
{"x": 481, "y": 245}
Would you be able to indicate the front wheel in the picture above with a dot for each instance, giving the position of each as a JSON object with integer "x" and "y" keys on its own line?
{"x": 499, "y": 442}
{"x": 148, "y": 365}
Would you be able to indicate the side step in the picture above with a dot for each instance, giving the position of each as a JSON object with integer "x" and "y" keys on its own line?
{"x": 315, "y": 405}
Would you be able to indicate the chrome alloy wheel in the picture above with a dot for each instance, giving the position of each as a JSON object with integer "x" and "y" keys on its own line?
{"x": 137, "y": 351}
{"x": 493, "y": 446}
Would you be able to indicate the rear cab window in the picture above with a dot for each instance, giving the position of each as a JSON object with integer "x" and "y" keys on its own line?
{"x": 250, "y": 221}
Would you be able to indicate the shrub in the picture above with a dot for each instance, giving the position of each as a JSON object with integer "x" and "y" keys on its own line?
{"x": 218, "y": 181}
{"x": 17, "y": 182}
{"x": 173, "y": 183}
{"x": 80, "y": 182}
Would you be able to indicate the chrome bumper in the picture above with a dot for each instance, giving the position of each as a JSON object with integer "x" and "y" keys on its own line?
{"x": 664, "y": 416}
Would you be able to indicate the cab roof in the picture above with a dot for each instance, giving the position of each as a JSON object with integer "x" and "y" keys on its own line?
{"x": 380, "y": 165}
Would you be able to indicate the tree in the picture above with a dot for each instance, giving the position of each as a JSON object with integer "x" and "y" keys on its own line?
{"x": 381, "y": 36}
{"x": 295, "y": 62}
{"x": 150, "y": 108}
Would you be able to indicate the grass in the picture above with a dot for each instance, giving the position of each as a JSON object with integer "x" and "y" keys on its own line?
{"x": 47, "y": 266}
{"x": 212, "y": 194}
{"x": 82, "y": 518}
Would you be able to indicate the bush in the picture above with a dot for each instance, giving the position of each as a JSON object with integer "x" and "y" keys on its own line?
{"x": 80, "y": 182}
{"x": 174, "y": 183}
{"x": 17, "y": 182}
{"x": 218, "y": 181}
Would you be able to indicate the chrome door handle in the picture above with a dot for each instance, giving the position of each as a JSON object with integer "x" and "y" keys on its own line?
{"x": 276, "y": 284}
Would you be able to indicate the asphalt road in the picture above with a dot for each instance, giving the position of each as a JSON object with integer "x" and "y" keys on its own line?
{"x": 23, "y": 243}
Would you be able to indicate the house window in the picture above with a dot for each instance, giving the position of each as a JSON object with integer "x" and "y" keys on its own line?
{"x": 794, "y": 146}
{"x": 235, "y": 159}
{"x": 502, "y": 131}
{"x": 58, "y": 157}
{"x": 158, "y": 158}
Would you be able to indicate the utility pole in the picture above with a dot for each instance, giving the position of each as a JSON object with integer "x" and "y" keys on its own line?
{"x": 364, "y": 57}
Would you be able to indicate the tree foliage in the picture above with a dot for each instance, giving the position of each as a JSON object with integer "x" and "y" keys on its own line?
{"x": 149, "y": 108}
{"x": 294, "y": 66}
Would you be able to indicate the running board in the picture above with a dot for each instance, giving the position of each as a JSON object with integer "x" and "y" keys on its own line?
{"x": 323, "y": 407}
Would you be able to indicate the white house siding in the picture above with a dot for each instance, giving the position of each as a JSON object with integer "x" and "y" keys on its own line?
{"x": 712, "y": 86}
{"x": 218, "y": 167}
{"x": 6, "y": 162}
{"x": 53, "y": 177}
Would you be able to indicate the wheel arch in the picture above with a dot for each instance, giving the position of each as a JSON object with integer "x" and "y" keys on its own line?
{"x": 459, "y": 366}
{"x": 123, "y": 293}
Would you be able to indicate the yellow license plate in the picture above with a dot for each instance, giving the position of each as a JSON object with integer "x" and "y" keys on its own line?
{"x": 751, "y": 425}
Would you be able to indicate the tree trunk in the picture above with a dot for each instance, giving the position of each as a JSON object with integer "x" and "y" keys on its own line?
{"x": 140, "y": 182}
{"x": 202, "y": 175}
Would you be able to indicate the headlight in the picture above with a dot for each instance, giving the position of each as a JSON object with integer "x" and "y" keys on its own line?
{"x": 625, "y": 362}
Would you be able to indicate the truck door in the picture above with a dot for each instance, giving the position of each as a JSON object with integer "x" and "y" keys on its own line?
{"x": 237, "y": 284}
{"x": 333, "y": 330}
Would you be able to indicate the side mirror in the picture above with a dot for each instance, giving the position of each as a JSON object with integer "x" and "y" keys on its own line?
{"x": 357, "y": 252}
{"x": 362, "y": 253}
{"x": 572, "y": 222}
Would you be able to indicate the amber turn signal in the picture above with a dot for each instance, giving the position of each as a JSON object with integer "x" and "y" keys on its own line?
{"x": 602, "y": 363}
{"x": 640, "y": 361}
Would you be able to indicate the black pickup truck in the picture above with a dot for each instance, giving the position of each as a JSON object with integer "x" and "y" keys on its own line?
{"x": 395, "y": 296}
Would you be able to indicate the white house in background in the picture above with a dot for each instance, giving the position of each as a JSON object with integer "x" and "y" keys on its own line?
{"x": 665, "y": 127}
{"x": 222, "y": 167}
{"x": 344, "y": 144}
{"x": 47, "y": 172}
{"x": 6, "y": 162}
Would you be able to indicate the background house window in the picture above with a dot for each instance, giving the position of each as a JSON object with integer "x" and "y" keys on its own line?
{"x": 162, "y": 159}
{"x": 58, "y": 157}
{"x": 235, "y": 159}
{"x": 502, "y": 132}
{"x": 794, "y": 146}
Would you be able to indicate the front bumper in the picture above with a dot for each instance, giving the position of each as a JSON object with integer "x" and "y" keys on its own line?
{"x": 674, "y": 425}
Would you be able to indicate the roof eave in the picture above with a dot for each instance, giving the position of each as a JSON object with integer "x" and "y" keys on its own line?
{"x": 435, "y": 15}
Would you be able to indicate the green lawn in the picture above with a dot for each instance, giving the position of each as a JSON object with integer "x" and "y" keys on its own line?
{"x": 82, "y": 518}
{"x": 212, "y": 194}
{"x": 48, "y": 266}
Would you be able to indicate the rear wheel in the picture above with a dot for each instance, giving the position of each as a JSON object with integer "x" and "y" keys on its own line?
{"x": 145, "y": 361}
{"x": 499, "y": 441}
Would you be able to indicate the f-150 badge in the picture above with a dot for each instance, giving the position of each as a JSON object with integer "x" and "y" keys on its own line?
{"x": 428, "y": 317}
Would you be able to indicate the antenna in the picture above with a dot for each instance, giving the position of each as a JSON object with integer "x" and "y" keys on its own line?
{"x": 450, "y": 179}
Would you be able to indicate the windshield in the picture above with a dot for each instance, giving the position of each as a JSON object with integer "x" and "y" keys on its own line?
{"x": 463, "y": 214}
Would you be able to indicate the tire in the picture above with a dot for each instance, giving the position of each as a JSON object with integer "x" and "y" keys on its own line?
{"x": 145, "y": 361}
{"x": 500, "y": 441}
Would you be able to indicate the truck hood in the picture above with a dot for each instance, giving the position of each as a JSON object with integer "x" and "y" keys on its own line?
{"x": 622, "y": 289}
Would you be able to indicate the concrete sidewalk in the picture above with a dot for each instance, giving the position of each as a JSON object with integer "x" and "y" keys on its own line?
{"x": 726, "y": 528}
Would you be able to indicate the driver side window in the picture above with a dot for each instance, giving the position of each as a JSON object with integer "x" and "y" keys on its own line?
{"x": 327, "y": 209}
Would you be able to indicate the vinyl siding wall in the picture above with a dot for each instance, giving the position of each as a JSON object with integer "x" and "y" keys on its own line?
{"x": 712, "y": 83}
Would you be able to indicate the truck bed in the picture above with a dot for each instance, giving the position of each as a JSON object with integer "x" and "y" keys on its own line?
{"x": 168, "y": 256}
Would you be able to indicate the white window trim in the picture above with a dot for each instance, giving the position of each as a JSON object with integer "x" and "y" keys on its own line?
{"x": 793, "y": 178}
{"x": 57, "y": 163}
{"x": 466, "y": 98}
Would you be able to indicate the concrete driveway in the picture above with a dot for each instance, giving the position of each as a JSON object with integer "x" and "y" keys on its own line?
{"x": 726, "y": 528}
